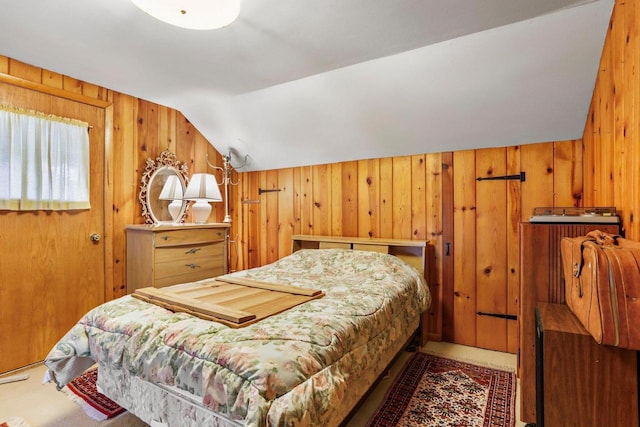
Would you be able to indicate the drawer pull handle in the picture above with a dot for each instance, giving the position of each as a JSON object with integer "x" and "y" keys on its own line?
{"x": 192, "y": 251}
{"x": 192, "y": 266}
{"x": 165, "y": 237}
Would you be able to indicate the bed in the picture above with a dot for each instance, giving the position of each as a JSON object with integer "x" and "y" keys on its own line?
{"x": 308, "y": 365}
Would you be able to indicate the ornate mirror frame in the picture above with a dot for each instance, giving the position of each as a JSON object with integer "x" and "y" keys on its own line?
{"x": 154, "y": 210}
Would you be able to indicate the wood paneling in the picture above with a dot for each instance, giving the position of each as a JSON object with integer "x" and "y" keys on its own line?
{"x": 404, "y": 197}
{"x": 133, "y": 130}
{"x": 321, "y": 199}
{"x": 432, "y": 216}
{"x": 464, "y": 248}
{"x": 368, "y": 191}
{"x": 386, "y": 197}
{"x": 568, "y": 175}
{"x": 367, "y": 198}
{"x": 611, "y": 154}
{"x": 4, "y": 65}
{"x": 491, "y": 250}
{"x": 448, "y": 265}
{"x": 125, "y": 206}
{"x": 537, "y": 161}
{"x": 399, "y": 197}
{"x": 306, "y": 201}
{"x": 514, "y": 167}
{"x": 349, "y": 191}
{"x": 286, "y": 222}
{"x": 335, "y": 203}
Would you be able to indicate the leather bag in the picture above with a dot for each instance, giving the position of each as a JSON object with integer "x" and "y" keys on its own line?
{"x": 602, "y": 286}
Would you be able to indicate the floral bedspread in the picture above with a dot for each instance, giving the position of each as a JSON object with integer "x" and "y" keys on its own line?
{"x": 276, "y": 371}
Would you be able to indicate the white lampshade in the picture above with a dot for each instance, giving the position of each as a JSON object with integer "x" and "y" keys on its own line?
{"x": 202, "y": 188}
{"x": 172, "y": 190}
{"x": 192, "y": 14}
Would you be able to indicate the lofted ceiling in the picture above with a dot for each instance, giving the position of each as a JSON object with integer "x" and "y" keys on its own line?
{"x": 302, "y": 82}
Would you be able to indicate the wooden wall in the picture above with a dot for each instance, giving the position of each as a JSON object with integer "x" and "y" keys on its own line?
{"x": 139, "y": 130}
{"x": 602, "y": 169}
{"x": 611, "y": 136}
{"x": 143, "y": 130}
{"x": 433, "y": 197}
{"x": 398, "y": 198}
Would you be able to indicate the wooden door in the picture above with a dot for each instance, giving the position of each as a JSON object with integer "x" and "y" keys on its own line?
{"x": 484, "y": 298}
{"x": 51, "y": 273}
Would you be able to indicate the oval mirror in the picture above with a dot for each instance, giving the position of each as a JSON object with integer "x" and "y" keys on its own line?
{"x": 163, "y": 183}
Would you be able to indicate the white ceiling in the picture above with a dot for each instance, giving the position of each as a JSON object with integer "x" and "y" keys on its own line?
{"x": 301, "y": 82}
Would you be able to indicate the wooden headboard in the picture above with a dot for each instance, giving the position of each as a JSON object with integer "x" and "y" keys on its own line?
{"x": 413, "y": 252}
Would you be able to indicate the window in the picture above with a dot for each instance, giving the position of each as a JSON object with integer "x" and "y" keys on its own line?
{"x": 44, "y": 161}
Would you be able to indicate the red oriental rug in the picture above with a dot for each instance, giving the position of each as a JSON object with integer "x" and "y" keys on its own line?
{"x": 95, "y": 404}
{"x": 434, "y": 391}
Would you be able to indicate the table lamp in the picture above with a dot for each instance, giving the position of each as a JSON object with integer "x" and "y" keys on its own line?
{"x": 202, "y": 188}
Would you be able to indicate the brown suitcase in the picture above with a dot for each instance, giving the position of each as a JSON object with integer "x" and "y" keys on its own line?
{"x": 602, "y": 286}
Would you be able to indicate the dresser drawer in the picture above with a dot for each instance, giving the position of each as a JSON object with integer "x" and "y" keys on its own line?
{"x": 189, "y": 253}
{"x": 181, "y": 237}
{"x": 203, "y": 272}
{"x": 181, "y": 265}
{"x": 194, "y": 269}
{"x": 175, "y": 261}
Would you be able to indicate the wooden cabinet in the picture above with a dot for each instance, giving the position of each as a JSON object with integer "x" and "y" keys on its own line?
{"x": 166, "y": 255}
{"x": 582, "y": 383}
{"x": 541, "y": 280}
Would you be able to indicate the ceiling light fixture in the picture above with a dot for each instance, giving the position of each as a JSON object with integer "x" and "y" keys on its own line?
{"x": 192, "y": 14}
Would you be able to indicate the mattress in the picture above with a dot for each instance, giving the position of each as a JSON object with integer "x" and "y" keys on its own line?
{"x": 308, "y": 365}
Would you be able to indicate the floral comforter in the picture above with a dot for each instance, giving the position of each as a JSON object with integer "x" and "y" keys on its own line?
{"x": 291, "y": 368}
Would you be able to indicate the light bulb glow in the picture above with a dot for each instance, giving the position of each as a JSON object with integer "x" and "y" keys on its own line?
{"x": 192, "y": 14}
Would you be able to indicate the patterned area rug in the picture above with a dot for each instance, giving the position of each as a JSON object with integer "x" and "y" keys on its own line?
{"x": 95, "y": 404}
{"x": 433, "y": 391}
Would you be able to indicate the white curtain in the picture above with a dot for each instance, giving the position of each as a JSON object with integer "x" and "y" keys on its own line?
{"x": 44, "y": 161}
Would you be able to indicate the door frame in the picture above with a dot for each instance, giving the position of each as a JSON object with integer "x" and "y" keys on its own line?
{"x": 107, "y": 107}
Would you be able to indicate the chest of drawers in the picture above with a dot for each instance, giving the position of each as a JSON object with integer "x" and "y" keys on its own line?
{"x": 166, "y": 255}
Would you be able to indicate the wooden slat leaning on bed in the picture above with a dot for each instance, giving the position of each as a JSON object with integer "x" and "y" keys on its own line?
{"x": 306, "y": 366}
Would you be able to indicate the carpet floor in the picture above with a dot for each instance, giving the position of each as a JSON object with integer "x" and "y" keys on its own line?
{"x": 435, "y": 391}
